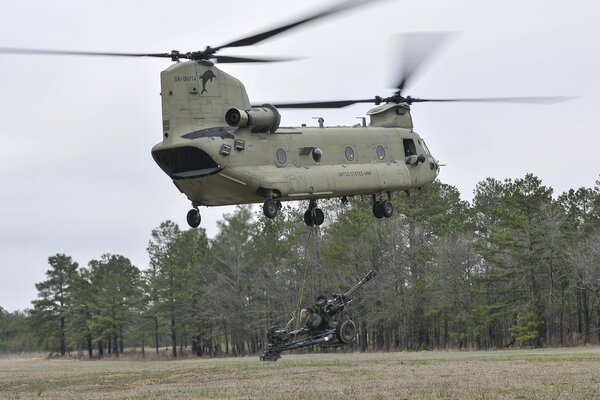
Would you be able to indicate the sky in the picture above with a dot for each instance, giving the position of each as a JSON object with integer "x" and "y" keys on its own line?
{"x": 76, "y": 172}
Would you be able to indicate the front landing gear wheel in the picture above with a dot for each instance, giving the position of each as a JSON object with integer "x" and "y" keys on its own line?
{"x": 314, "y": 216}
{"x": 377, "y": 210}
{"x": 193, "y": 218}
{"x": 383, "y": 208}
{"x": 270, "y": 208}
{"x": 346, "y": 331}
{"x": 308, "y": 218}
{"x": 319, "y": 216}
{"x": 387, "y": 209}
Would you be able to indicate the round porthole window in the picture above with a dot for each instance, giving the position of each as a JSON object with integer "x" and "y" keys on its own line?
{"x": 349, "y": 153}
{"x": 281, "y": 156}
{"x": 317, "y": 154}
{"x": 380, "y": 151}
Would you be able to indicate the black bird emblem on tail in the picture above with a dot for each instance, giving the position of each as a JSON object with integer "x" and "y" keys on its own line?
{"x": 207, "y": 76}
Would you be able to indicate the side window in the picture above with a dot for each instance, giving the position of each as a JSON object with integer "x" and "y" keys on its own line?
{"x": 409, "y": 147}
{"x": 349, "y": 153}
{"x": 281, "y": 156}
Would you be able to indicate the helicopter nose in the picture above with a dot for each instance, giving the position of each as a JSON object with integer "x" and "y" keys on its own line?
{"x": 185, "y": 162}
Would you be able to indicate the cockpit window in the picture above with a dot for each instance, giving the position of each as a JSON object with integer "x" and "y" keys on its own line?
{"x": 409, "y": 147}
{"x": 425, "y": 148}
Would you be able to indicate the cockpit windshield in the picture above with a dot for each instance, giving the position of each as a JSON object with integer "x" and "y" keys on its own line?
{"x": 425, "y": 148}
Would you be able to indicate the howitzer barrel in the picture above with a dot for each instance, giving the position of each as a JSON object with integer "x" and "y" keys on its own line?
{"x": 348, "y": 295}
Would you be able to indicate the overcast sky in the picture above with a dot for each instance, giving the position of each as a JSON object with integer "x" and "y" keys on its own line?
{"x": 76, "y": 172}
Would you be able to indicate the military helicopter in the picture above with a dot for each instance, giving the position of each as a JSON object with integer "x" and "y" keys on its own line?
{"x": 219, "y": 149}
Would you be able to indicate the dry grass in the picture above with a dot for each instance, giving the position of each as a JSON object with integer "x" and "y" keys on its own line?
{"x": 524, "y": 374}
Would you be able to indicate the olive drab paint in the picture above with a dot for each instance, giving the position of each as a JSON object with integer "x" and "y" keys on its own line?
{"x": 214, "y": 163}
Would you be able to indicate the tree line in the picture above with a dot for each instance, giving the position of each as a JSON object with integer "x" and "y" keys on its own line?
{"x": 517, "y": 267}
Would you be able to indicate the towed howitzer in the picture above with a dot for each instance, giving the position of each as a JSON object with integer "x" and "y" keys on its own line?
{"x": 324, "y": 324}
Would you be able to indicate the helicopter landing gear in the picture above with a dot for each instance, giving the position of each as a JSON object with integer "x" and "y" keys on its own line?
{"x": 383, "y": 208}
{"x": 271, "y": 208}
{"x": 193, "y": 217}
{"x": 313, "y": 216}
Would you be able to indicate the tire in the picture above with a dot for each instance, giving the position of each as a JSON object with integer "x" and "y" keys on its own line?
{"x": 386, "y": 208}
{"x": 346, "y": 331}
{"x": 193, "y": 218}
{"x": 308, "y": 219}
{"x": 319, "y": 216}
{"x": 377, "y": 210}
{"x": 270, "y": 209}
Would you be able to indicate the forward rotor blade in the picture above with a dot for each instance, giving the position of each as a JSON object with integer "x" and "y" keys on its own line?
{"x": 418, "y": 47}
{"x": 250, "y": 40}
{"x": 325, "y": 104}
{"x": 5, "y": 50}
{"x": 410, "y": 100}
{"x": 529, "y": 100}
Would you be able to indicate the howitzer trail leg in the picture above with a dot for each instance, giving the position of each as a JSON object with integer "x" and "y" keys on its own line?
{"x": 270, "y": 355}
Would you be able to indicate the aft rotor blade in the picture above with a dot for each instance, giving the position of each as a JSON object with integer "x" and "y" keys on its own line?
{"x": 209, "y": 52}
{"x": 530, "y": 100}
{"x": 325, "y": 104}
{"x": 173, "y": 55}
{"x": 5, "y": 50}
{"x": 250, "y": 40}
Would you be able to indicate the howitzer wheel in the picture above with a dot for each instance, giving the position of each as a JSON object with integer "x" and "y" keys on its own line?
{"x": 346, "y": 331}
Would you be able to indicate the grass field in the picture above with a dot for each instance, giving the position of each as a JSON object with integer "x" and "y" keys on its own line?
{"x": 519, "y": 374}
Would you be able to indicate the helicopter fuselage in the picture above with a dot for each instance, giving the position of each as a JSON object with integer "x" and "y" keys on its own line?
{"x": 236, "y": 166}
{"x": 248, "y": 158}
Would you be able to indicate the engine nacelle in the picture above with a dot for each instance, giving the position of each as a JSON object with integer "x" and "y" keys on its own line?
{"x": 265, "y": 118}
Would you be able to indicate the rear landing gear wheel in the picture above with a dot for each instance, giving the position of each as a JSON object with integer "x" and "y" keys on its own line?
{"x": 193, "y": 218}
{"x": 270, "y": 208}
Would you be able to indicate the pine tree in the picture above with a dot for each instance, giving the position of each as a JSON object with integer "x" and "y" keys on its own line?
{"x": 54, "y": 298}
{"x": 522, "y": 251}
{"x": 116, "y": 291}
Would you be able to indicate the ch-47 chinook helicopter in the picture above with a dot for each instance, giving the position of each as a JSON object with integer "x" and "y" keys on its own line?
{"x": 220, "y": 150}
